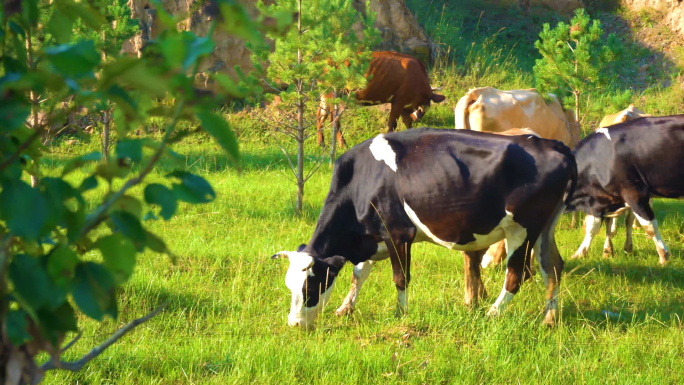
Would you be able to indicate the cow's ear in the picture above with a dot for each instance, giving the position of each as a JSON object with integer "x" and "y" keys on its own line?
{"x": 301, "y": 247}
{"x": 337, "y": 261}
{"x": 438, "y": 98}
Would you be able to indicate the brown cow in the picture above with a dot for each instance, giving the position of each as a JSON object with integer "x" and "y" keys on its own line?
{"x": 399, "y": 79}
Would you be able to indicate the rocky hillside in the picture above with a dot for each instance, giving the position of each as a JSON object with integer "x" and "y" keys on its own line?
{"x": 399, "y": 29}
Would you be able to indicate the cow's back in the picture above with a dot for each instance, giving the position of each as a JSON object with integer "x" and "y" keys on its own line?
{"x": 490, "y": 110}
{"x": 394, "y": 75}
{"x": 644, "y": 154}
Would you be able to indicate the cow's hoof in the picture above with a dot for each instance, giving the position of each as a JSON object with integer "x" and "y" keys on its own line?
{"x": 344, "y": 310}
{"x": 664, "y": 257}
{"x": 400, "y": 312}
{"x": 494, "y": 312}
{"x": 628, "y": 248}
{"x": 577, "y": 256}
{"x": 550, "y": 318}
{"x": 607, "y": 253}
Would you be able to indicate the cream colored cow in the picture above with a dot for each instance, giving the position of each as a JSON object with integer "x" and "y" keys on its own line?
{"x": 492, "y": 110}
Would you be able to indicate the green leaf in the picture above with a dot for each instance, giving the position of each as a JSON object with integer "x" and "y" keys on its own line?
{"x": 129, "y": 226}
{"x": 157, "y": 245}
{"x": 13, "y": 114}
{"x": 130, "y": 148}
{"x": 112, "y": 170}
{"x": 91, "y": 18}
{"x": 144, "y": 79}
{"x": 94, "y": 290}
{"x": 61, "y": 264}
{"x": 32, "y": 283}
{"x": 23, "y": 208}
{"x": 119, "y": 256}
{"x": 228, "y": 85}
{"x": 158, "y": 194}
{"x": 60, "y": 26}
{"x": 217, "y": 127}
{"x": 200, "y": 46}
{"x": 74, "y": 60}
{"x": 88, "y": 183}
{"x": 79, "y": 162}
{"x": 16, "y": 327}
{"x": 57, "y": 322}
{"x": 193, "y": 188}
{"x": 128, "y": 204}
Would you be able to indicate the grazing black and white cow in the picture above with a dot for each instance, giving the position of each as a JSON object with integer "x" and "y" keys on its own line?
{"x": 623, "y": 166}
{"x": 463, "y": 190}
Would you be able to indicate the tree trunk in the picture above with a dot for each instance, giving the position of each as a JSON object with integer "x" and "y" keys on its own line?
{"x": 300, "y": 125}
{"x": 32, "y": 97}
{"x": 577, "y": 109}
{"x": 105, "y": 135}
{"x": 333, "y": 138}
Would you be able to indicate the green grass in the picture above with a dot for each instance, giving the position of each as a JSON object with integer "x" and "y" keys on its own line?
{"x": 228, "y": 304}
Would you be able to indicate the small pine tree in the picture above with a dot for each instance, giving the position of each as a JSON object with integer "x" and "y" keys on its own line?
{"x": 323, "y": 53}
{"x": 575, "y": 60}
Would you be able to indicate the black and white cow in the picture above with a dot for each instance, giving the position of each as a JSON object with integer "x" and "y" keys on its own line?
{"x": 623, "y": 166}
{"x": 463, "y": 190}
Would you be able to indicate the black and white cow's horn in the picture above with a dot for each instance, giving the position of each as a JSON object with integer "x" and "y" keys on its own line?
{"x": 280, "y": 254}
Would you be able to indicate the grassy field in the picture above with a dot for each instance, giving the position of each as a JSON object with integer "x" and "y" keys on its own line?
{"x": 228, "y": 304}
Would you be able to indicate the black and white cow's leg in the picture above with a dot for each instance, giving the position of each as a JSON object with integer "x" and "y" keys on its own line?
{"x": 611, "y": 224}
{"x": 474, "y": 288}
{"x": 592, "y": 225}
{"x": 644, "y": 214}
{"x": 518, "y": 249}
{"x": 551, "y": 265}
{"x": 361, "y": 273}
{"x": 400, "y": 255}
{"x": 629, "y": 223}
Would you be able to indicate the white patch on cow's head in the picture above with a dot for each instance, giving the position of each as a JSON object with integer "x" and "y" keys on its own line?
{"x": 296, "y": 280}
{"x": 604, "y": 131}
{"x": 419, "y": 113}
{"x": 382, "y": 151}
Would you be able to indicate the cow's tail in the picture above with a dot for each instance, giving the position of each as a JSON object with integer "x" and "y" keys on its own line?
{"x": 461, "y": 112}
{"x": 570, "y": 190}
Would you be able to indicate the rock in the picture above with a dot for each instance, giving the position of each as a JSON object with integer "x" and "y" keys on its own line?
{"x": 673, "y": 11}
{"x": 400, "y": 31}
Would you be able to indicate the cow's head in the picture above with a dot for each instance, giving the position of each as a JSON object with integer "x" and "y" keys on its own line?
{"x": 311, "y": 281}
{"x": 422, "y": 110}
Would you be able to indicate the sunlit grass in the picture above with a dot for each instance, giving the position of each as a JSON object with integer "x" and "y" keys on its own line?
{"x": 228, "y": 304}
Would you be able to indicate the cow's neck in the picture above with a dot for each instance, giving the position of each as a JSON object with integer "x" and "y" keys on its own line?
{"x": 338, "y": 232}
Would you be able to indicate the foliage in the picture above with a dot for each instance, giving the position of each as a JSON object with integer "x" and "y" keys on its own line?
{"x": 324, "y": 54}
{"x": 575, "y": 59}
{"x": 57, "y": 253}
